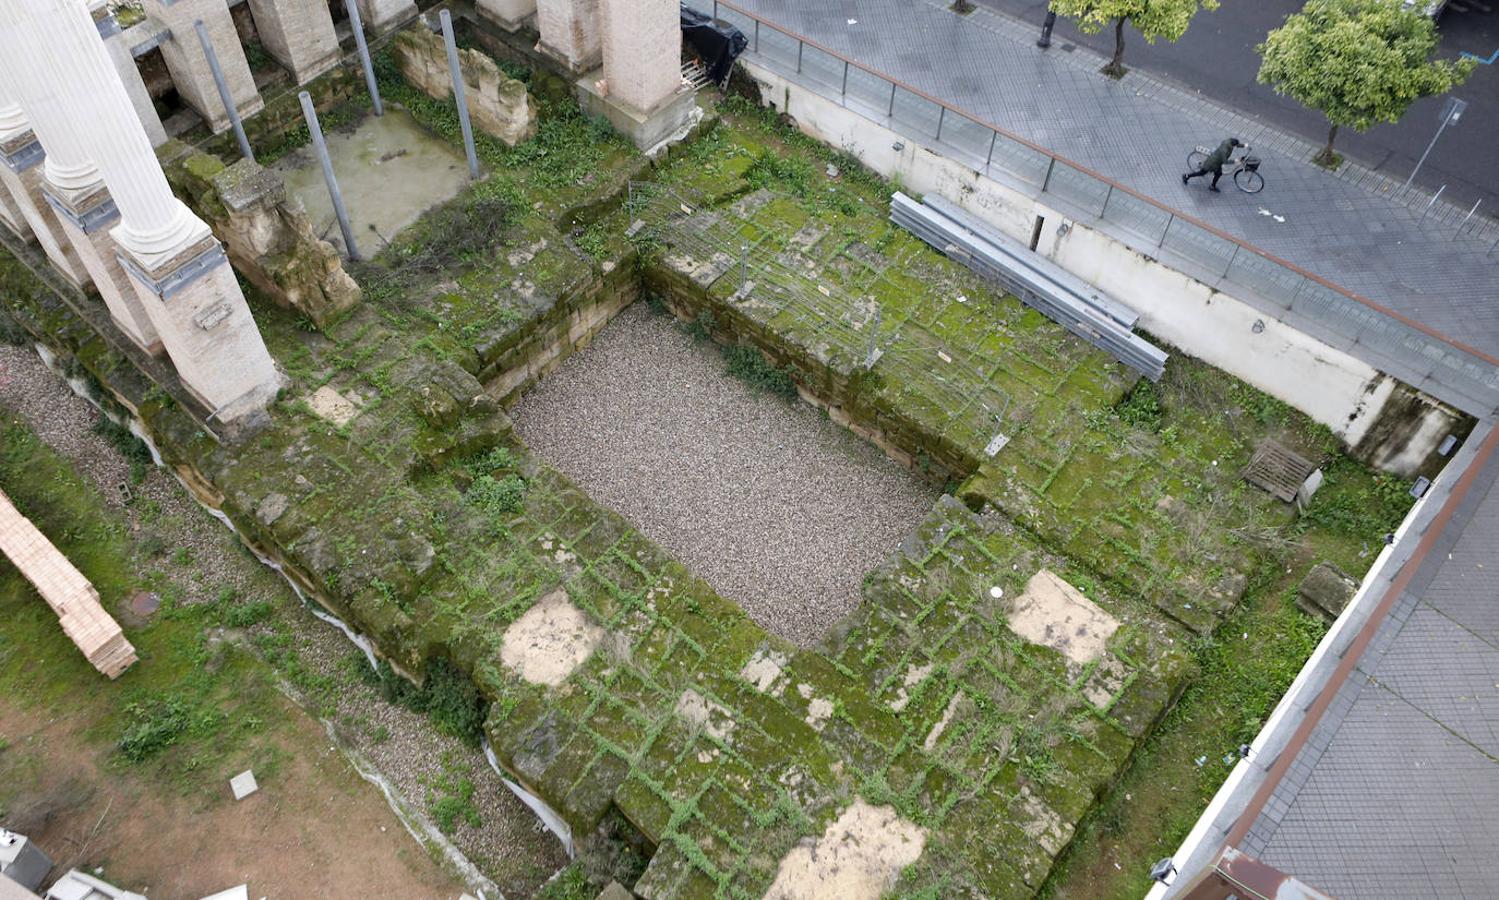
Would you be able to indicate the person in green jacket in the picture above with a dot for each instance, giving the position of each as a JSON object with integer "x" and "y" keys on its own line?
{"x": 1213, "y": 164}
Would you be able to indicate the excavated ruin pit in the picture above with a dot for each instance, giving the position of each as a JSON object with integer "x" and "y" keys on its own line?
{"x": 390, "y": 170}
{"x": 772, "y": 503}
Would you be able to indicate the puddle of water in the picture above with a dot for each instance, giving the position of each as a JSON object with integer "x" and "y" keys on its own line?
{"x": 390, "y": 171}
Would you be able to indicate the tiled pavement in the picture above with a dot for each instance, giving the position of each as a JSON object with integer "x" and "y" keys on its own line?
{"x": 1138, "y": 132}
{"x": 1394, "y": 792}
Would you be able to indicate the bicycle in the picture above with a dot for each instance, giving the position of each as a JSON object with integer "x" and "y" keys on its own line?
{"x": 1245, "y": 172}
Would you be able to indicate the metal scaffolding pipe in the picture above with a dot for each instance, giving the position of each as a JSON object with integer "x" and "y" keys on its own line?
{"x": 364, "y": 55}
{"x": 458, "y": 95}
{"x": 224, "y": 95}
{"x": 315, "y": 130}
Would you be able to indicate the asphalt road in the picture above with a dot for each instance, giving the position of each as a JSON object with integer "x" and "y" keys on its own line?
{"x": 1216, "y": 57}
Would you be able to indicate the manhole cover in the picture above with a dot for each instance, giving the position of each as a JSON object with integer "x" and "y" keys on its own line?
{"x": 144, "y": 603}
{"x": 1278, "y": 469}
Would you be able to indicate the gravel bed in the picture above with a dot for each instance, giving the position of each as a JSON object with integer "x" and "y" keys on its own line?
{"x": 510, "y": 846}
{"x": 767, "y": 499}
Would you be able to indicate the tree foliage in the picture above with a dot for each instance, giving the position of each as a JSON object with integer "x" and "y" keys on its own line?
{"x": 1152, "y": 18}
{"x": 1358, "y": 62}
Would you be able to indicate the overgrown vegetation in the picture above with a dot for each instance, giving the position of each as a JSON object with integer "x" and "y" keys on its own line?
{"x": 446, "y": 695}
{"x": 750, "y": 366}
{"x": 135, "y": 451}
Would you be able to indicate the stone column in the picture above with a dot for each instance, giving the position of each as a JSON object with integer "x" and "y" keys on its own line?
{"x": 72, "y": 184}
{"x": 642, "y": 51}
{"x": 21, "y": 173}
{"x": 130, "y": 75}
{"x": 508, "y": 14}
{"x": 385, "y": 16}
{"x": 641, "y": 92}
{"x": 570, "y": 33}
{"x": 178, "y": 268}
{"x": 189, "y": 67}
{"x": 299, "y": 34}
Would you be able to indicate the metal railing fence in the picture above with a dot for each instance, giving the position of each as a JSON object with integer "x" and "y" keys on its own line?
{"x": 1409, "y": 350}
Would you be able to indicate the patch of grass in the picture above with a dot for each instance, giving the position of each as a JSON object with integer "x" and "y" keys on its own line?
{"x": 1142, "y": 407}
{"x": 571, "y": 883}
{"x": 447, "y": 695}
{"x": 497, "y": 498}
{"x": 135, "y": 451}
{"x": 450, "y": 799}
{"x": 750, "y": 366}
{"x": 247, "y": 613}
{"x": 702, "y": 326}
{"x": 1356, "y": 502}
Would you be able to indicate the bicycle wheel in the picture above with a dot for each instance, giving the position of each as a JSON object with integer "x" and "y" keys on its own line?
{"x": 1194, "y": 160}
{"x": 1249, "y": 182}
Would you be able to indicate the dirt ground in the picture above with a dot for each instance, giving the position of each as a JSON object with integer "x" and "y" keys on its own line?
{"x": 315, "y": 830}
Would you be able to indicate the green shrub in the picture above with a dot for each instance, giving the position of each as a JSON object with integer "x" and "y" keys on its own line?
{"x": 155, "y": 725}
{"x": 452, "y": 801}
{"x": 250, "y": 612}
{"x": 498, "y": 498}
{"x": 1142, "y": 408}
{"x": 750, "y": 366}
{"x": 446, "y": 695}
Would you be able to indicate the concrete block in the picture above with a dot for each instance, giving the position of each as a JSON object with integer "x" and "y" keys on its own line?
{"x": 298, "y": 34}
{"x": 243, "y": 784}
{"x": 189, "y": 67}
{"x": 85, "y": 218}
{"x": 646, "y": 129}
{"x": 570, "y": 33}
{"x": 384, "y": 16}
{"x": 508, "y": 14}
{"x": 642, "y": 49}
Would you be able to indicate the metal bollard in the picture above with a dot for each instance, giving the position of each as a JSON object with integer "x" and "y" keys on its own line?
{"x": 224, "y": 95}
{"x": 458, "y": 95}
{"x": 364, "y": 55}
{"x": 316, "y": 132}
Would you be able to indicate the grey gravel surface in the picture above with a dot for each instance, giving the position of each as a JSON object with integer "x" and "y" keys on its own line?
{"x": 510, "y": 845}
{"x": 773, "y": 504}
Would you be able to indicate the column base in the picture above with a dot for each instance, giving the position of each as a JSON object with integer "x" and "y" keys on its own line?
{"x": 592, "y": 61}
{"x": 648, "y": 129}
{"x": 85, "y": 217}
{"x": 208, "y": 331}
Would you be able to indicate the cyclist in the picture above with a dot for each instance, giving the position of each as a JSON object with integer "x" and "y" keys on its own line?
{"x": 1213, "y": 164}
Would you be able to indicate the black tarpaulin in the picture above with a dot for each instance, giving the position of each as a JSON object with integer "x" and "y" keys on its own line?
{"x": 717, "y": 43}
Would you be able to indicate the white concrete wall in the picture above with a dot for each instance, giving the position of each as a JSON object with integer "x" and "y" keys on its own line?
{"x": 1334, "y": 388}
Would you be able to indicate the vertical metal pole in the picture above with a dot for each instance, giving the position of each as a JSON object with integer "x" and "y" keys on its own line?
{"x": 1231, "y": 258}
{"x": 800, "y": 46}
{"x": 1165, "y": 231}
{"x": 364, "y": 55}
{"x": 843, "y": 92}
{"x": 1432, "y": 203}
{"x": 989, "y": 160}
{"x": 941, "y": 117}
{"x": 1046, "y": 182}
{"x": 458, "y": 95}
{"x": 757, "y": 35}
{"x": 1045, "y": 40}
{"x": 316, "y": 131}
{"x": 1106, "y": 198}
{"x": 224, "y": 95}
{"x": 891, "y": 113}
{"x": 1441, "y": 128}
{"x": 1467, "y": 217}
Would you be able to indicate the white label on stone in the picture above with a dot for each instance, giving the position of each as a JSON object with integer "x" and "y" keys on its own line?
{"x": 212, "y": 316}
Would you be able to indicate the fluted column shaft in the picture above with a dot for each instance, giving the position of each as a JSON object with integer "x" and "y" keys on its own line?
{"x": 68, "y": 164}
{"x": 68, "y": 53}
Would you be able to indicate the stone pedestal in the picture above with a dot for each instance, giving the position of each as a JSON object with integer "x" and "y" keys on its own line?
{"x": 11, "y": 215}
{"x": 647, "y": 129}
{"x": 189, "y": 67}
{"x": 85, "y": 217}
{"x": 498, "y": 104}
{"x": 642, "y": 45}
{"x": 299, "y": 34}
{"x": 384, "y": 16}
{"x": 130, "y": 75}
{"x": 21, "y": 171}
{"x": 203, "y": 319}
{"x": 570, "y": 33}
{"x": 508, "y": 14}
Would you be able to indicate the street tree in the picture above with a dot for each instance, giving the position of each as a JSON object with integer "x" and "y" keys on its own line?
{"x": 1358, "y": 62}
{"x": 1152, "y": 18}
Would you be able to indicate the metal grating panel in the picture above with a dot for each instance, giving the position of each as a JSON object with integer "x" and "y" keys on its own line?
{"x": 1278, "y": 469}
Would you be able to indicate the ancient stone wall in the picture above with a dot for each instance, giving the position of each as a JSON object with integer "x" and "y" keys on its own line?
{"x": 267, "y": 235}
{"x": 498, "y": 104}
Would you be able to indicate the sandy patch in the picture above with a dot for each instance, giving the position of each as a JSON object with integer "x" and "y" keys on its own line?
{"x": 763, "y": 669}
{"x": 935, "y": 734}
{"x": 858, "y": 857}
{"x": 914, "y": 675}
{"x": 1056, "y": 614}
{"x": 332, "y": 406}
{"x": 550, "y": 641}
{"x": 712, "y": 718}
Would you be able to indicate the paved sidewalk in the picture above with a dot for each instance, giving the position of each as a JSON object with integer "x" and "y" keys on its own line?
{"x": 1138, "y": 132}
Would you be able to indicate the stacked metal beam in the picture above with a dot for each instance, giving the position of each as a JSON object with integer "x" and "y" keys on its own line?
{"x": 1041, "y": 284}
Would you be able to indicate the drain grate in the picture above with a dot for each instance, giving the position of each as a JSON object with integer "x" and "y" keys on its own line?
{"x": 1278, "y": 469}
